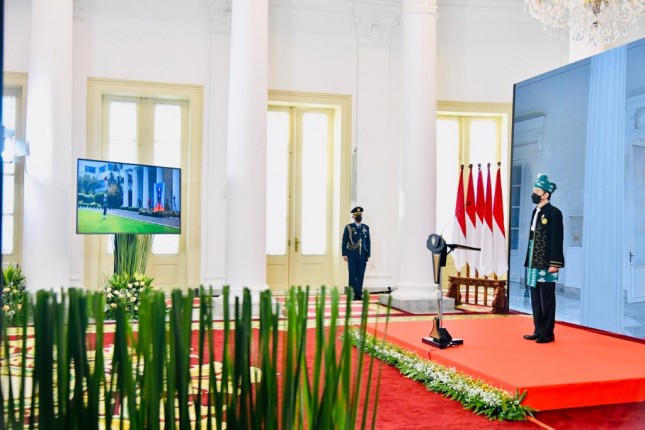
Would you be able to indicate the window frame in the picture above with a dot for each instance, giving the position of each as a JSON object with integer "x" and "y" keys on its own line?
{"x": 191, "y": 165}
{"x": 464, "y": 112}
{"x": 16, "y": 83}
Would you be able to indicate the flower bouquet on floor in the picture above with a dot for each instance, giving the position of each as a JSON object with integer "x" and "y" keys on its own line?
{"x": 14, "y": 297}
{"x": 127, "y": 288}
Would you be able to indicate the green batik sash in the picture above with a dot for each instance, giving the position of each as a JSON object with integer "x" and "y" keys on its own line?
{"x": 535, "y": 275}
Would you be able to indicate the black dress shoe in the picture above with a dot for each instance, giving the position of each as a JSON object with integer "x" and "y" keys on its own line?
{"x": 531, "y": 336}
{"x": 360, "y": 299}
{"x": 544, "y": 339}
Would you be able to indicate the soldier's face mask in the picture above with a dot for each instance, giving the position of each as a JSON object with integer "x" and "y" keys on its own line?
{"x": 358, "y": 218}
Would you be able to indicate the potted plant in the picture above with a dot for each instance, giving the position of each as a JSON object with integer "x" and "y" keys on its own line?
{"x": 129, "y": 282}
{"x": 127, "y": 288}
{"x": 14, "y": 298}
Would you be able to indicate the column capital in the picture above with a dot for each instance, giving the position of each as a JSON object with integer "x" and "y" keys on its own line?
{"x": 374, "y": 28}
{"x": 219, "y": 15}
{"x": 420, "y": 6}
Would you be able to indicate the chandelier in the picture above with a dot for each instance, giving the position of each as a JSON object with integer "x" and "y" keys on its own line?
{"x": 596, "y": 21}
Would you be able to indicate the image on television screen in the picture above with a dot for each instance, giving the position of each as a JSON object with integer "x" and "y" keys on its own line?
{"x": 117, "y": 197}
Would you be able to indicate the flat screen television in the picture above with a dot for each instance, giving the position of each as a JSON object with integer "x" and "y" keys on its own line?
{"x": 583, "y": 125}
{"x": 114, "y": 197}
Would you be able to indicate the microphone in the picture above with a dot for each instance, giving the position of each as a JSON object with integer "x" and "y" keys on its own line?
{"x": 457, "y": 213}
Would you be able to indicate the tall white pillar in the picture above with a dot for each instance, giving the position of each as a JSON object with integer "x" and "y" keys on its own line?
{"x": 176, "y": 191}
{"x": 374, "y": 147}
{"x": 48, "y": 220}
{"x": 604, "y": 204}
{"x": 125, "y": 187}
{"x": 158, "y": 180}
{"x": 246, "y": 148}
{"x": 416, "y": 291}
{"x": 80, "y": 66}
{"x": 135, "y": 188}
{"x": 214, "y": 228}
{"x": 146, "y": 188}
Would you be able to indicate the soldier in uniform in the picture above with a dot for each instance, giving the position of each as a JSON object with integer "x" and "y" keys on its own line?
{"x": 544, "y": 258}
{"x": 356, "y": 248}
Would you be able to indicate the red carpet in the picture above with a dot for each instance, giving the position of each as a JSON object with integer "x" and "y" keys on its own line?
{"x": 579, "y": 369}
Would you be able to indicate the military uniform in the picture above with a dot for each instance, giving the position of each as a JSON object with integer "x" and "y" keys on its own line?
{"x": 356, "y": 246}
{"x": 544, "y": 250}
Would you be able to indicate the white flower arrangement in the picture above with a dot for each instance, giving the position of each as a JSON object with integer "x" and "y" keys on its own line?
{"x": 127, "y": 289}
{"x": 14, "y": 297}
{"x": 474, "y": 394}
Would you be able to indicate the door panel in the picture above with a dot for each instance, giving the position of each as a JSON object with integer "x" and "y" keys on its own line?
{"x": 279, "y": 165}
{"x": 299, "y": 197}
{"x": 155, "y": 132}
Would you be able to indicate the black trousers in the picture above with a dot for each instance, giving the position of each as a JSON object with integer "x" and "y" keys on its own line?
{"x": 356, "y": 274}
{"x": 543, "y": 304}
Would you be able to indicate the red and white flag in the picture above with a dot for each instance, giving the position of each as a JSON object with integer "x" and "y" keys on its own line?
{"x": 459, "y": 226}
{"x": 480, "y": 208}
{"x": 486, "y": 253}
{"x": 472, "y": 233}
{"x": 500, "y": 253}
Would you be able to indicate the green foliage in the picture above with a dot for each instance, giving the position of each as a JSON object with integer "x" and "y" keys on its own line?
{"x": 14, "y": 298}
{"x": 92, "y": 221}
{"x": 472, "y": 393}
{"x": 98, "y": 198}
{"x": 114, "y": 195}
{"x": 131, "y": 252}
{"x": 252, "y": 370}
{"x": 85, "y": 198}
{"x": 87, "y": 184}
{"x": 128, "y": 290}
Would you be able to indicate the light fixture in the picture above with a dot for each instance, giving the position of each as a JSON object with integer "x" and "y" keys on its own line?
{"x": 599, "y": 22}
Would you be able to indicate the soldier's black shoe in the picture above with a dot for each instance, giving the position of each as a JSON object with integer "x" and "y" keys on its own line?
{"x": 544, "y": 339}
{"x": 531, "y": 336}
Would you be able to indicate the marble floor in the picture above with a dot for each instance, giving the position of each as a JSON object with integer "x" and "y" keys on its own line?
{"x": 568, "y": 309}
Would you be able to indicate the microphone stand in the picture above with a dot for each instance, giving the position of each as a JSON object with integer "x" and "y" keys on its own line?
{"x": 439, "y": 336}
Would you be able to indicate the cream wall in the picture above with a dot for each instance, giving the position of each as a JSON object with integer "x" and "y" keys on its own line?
{"x": 312, "y": 48}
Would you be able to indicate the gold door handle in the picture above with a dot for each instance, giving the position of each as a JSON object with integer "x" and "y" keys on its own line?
{"x": 297, "y": 242}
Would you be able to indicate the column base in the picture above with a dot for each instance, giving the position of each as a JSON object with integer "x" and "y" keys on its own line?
{"x": 218, "y": 302}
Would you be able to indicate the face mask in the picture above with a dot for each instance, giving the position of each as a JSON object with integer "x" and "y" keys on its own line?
{"x": 536, "y": 198}
{"x": 358, "y": 218}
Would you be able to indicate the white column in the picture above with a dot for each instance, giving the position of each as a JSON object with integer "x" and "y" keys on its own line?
{"x": 374, "y": 148}
{"x": 214, "y": 153}
{"x": 158, "y": 180}
{"x": 135, "y": 187}
{"x": 146, "y": 188}
{"x": 176, "y": 191}
{"x": 418, "y": 151}
{"x": 603, "y": 253}
{"x": 48, "y": 220}
{"x": 80, "y": 65}
{"x": 125, "y": 187}
{"x": 246, "y": 148}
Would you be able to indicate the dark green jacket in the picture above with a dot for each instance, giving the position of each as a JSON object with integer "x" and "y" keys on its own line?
{"x": 547, "y": 240}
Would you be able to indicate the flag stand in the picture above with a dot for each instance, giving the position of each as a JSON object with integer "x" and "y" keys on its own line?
{"x": 439, "y": 336}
